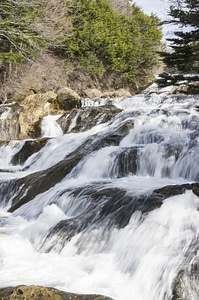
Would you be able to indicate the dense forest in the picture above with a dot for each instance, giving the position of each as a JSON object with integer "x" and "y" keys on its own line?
{"x": 97, "y": 35}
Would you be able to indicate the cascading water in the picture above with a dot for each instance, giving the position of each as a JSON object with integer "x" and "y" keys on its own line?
{"x": 99, "y": 211}
{"x": 50, "y": 127}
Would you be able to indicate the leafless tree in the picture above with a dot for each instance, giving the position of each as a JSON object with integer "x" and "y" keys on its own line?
{"x": 122, "y": 6}
{"x": 54, "y": 23}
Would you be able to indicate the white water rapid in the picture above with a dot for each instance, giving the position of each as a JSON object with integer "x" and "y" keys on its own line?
{"x": 100, "y": 228}
{"x": 49, "y": 126}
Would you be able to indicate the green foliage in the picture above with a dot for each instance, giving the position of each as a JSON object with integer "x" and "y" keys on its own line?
{"x": 121, "y": 43}
{"x": 90, "y": 32}
{"x": 18, "y": 38}
{"x": 184, "y": 56}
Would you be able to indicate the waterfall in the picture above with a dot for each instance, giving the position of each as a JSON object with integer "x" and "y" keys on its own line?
{"x": 112, "y": 210}
{"x": 49, "y": 127}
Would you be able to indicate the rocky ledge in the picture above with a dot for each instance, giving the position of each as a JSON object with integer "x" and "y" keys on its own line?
{"x": 21, "y": 116}
{"x": 43, "y": 293}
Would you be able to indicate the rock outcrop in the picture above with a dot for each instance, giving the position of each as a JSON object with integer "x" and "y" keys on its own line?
{"x": 67, "y": 99}
{"x": 9, "y": 121}
{"x": 34, "y": 108}
{"x": 43, "y": 293}
{"x": 185, "y": 285}
{"x": 22, "y": 119}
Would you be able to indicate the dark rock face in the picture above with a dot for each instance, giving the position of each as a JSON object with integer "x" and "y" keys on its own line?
{"x": 30, "y": 147}
{"x": 185, "y": 286}
{"x": 43, "y": 293}
{"x": 172, "y": 190}
{"x": 86, "y": 117}
{"x": 125, "y": 162}
{"x": 25, "y": 189}
{"x": 105, "y": 207}
{"x": 109, "y": 207}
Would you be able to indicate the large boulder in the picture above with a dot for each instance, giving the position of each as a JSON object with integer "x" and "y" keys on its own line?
{"x": 92, "y": 93}
{"x": 34, "y": 108}
{"x": 67, "y": 99}
{"x": 22, "y": 119}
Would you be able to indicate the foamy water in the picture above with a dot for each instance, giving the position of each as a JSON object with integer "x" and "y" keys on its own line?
{"x": 138, "y": 261}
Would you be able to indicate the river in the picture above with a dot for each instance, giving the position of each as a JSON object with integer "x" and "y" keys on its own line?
{"x": 97, "y": 229}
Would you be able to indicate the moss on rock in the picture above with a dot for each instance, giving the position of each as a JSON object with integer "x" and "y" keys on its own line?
{"x": 43, "y": 293}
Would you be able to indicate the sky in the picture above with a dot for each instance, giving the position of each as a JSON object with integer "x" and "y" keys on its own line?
{"x": 159, "y": 8}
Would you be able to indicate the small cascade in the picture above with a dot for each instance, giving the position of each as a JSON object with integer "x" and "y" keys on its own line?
{"x": 49, "y": 126}
{"x": 109, "y": 207}
{"x": 85, "y": 118}
{"x": 7, "y": 152}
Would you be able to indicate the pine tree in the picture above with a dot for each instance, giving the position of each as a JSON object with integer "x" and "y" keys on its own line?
{"x": 105, "y": 39}
{"x": 184, "y": 55}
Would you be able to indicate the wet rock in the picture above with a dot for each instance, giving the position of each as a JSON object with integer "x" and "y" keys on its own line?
{"x": 2, "y": 143}
{"x": 125, "y": 163}
{"x": 101, "y": 201}
{"x": 104, "y": 207}
{"x": 82, "y": 119}
{"x": 185, "y": 285}
{"x": 177, "y": 290}
{"x": 100, "y": 206}
{"x": 191, "y": 88}
{"x": 25, "y": 189}
{"x": 43, "y": 293}
{"x": 9, "y": 121}
{"x": 30, "y": 147}
{"x": 172, "y": 190}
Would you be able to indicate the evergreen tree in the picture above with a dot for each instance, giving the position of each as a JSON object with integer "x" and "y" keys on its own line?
{"x": 104, "y": 39}
{"x": 98, "y": 36}
{"x": 184, "y": 56}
